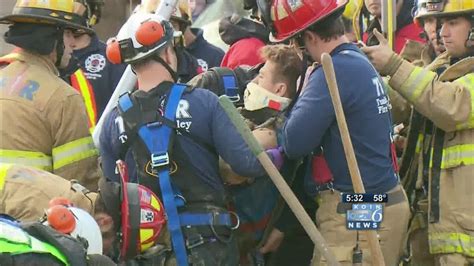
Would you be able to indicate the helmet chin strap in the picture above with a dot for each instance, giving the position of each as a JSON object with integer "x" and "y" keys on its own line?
{"x": 173, "y": 73}
{"x": 470, "y": 36}
{"x": 59, "y": 48}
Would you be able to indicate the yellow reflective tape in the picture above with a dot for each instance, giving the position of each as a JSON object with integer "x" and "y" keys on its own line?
{"x": 458, "y": 155}
{"x": 441, "y": 243}
{"x": 154, "y": 202}
{"x": 145, "y": 236}
{"x": 4, "y": 167}
{"x": 29, "y": 158}
{"x": 467, "y": 82}
{"x": 417, "y": 82}
{"x": 419, "y": 143}
{"x": 73, "y": 151}
{"x": 86, "y": 95}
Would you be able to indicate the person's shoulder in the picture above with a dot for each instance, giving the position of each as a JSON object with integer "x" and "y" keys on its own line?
{"x": 202, "y": 93}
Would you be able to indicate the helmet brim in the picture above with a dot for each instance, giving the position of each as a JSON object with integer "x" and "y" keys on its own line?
{"x": 36, "y": 16}
{"x": 454, "y": 13}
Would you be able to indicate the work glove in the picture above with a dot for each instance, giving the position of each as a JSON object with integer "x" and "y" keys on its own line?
{"x": 276, "y": 155}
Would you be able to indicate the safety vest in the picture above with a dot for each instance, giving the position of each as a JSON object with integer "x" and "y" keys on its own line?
{"x": 16, "y": 241}
{"x": 80, "y": 83}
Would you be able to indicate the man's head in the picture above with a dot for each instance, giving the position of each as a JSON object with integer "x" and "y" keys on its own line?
{"x": 424, "y": 16}
{"x": 130, "y": 216}
{"x": 457, "y": 27}
{"x": 312, "y": 23}
{"x": 196, "y": 7}
{"x": 146, "y": 41}
{"x": 39, "y": 27}
{"x": 375, "y": 7}
{"x": 275, "y": 85}
{"x": 280, "y": 71}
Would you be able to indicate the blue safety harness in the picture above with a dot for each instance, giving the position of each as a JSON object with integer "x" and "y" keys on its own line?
{"x": 230, "y": 87}
{"x": 157, "y": 136}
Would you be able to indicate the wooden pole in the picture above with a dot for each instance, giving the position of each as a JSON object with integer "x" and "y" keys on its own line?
{"x": 279, "y": 181}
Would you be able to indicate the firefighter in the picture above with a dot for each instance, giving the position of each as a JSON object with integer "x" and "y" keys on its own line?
{"x": 38, "y": 244}
{"x": 191, "y": 123}
{"x": 68, "y": 235}
{"x": 207, "y": 55}
{"x": 41, "y": 187}
{"x": 411, "y": 170}
{"x": 371, "y": 10}
{"x": 311, "y": 125}
{"x": 442, "y": 92}
{"x": 106, "y": 207}
{"x": 89, "y": 71}
{"x": 44, "y": 123}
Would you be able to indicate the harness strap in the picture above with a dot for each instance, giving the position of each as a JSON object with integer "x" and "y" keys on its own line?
{"x": 157, "y": 138}
{"x": 229, "y": 82}
{"x": 196, "y": 219}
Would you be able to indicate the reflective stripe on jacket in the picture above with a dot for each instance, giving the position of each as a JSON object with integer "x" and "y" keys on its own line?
{"x": 43, "y": 120}
{"x": 84, "y": 87}
{"x": 15, "y": 241}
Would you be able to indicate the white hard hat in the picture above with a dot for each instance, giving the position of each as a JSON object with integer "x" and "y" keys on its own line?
{"x": 76, "y": 222}
{"x": 87, "y": 228}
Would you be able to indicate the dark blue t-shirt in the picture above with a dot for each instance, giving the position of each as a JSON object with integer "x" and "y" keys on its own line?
{"x": 101, "y": 73}
{"x": 208, "y": 55}
{"x": 200, "y": 114}
{"x": 312, "y": 122}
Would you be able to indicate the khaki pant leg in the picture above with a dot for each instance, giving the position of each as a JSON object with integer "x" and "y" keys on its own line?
{"x": 332, "y": 226}
{"x": 341, "y": 241}
{"x": 393, "y": 231}
{"x": 455, "y": 230}
{"x": 420, "y": 251}
{"x": 453, "y": 259}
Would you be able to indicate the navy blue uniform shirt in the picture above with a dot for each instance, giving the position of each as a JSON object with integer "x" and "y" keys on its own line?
{"x": 200, "y": 114}
{"x": 208, "y": 55}
{"x": 101, "y": 73}
{"x": 312, "y": 122}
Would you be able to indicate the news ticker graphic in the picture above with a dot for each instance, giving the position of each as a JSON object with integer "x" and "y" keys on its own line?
{"x": 364, "y": 198}
{"x": 364, "y": 216}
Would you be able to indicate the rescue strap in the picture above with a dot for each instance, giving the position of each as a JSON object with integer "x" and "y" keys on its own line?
{"x": 63, "y": 155}
{"x": 229, "y": 82}
{"x": 408, "y": 177}
{"x": 84, "y": 87}
{"x": 16, "y": 241}
{"x": 157, "y": 137}
{"x": 435, "y": 174}
{"x": 416, "y": 122}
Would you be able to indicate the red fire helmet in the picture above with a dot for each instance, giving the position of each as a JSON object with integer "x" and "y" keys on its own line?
{"x": 290, "y": 17}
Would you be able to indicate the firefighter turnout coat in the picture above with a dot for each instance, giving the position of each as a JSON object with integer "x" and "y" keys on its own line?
{"x": 27, "y": 191}
{"x": 43, "y": 122}
{"x": 447, "y": 99}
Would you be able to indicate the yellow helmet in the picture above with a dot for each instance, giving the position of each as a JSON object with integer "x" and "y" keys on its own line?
{"x": 56, "y": 12}
{"x": 351, "y": 8}
{"x": 457, "y": 7}
{"x": 425, "y": 8}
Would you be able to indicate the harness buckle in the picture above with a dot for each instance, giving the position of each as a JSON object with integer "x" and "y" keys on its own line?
{"x": 161, "y": 159}
{"x": 194, "y": 241}
{"x": 234, "y": 99}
